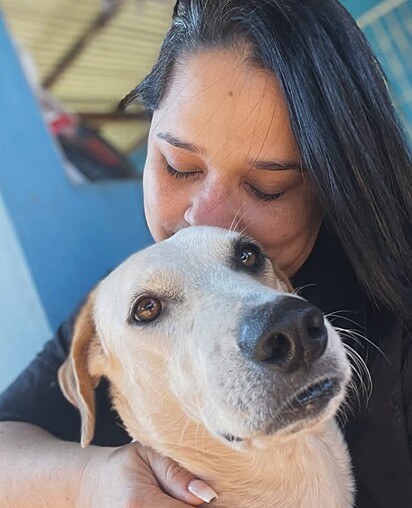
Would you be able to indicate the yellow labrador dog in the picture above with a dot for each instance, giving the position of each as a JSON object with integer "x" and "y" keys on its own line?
{"x": 213, "y": 362}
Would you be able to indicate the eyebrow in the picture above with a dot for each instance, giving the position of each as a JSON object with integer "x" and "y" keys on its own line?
{"x": 264, "y": 165}
{"x": 275, "y": 165}
{"x": 178, "y": 143}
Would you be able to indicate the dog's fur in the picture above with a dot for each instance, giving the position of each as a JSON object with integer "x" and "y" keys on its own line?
{"x": 183, "y": 386}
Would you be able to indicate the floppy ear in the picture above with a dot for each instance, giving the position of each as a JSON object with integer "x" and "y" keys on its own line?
{"x": 80, "y": 374}
{"x": 287, "y": 283}
{"x": 284, "y": 280}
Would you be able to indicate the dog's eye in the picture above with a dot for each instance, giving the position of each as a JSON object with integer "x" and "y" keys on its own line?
{"x": 249, "y": 256}
{"x": 146, "y": 309}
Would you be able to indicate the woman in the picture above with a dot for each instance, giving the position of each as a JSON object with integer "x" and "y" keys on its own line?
{"x": 270, "y": 116}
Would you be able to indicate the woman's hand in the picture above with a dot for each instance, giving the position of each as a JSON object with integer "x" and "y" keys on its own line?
{"x": 36, "y": 466}
{"x": 133, "y": 476}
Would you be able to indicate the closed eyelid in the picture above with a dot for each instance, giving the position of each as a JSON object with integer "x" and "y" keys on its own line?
{"x": 267, "y": 165}
{"x": 183, "y": 168}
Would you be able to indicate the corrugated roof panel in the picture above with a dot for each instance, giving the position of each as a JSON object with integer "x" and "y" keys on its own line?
{"x": 112, "y": 62}
{"x": 48, "y": 24}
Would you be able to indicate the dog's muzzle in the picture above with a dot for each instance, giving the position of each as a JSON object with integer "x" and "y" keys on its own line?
{"x": 284, "y": 335}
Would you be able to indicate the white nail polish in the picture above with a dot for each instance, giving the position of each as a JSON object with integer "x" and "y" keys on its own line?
{"x": 202, "y": 490}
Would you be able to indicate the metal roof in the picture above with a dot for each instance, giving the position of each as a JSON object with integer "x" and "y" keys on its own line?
{"x": 89, "y": 54}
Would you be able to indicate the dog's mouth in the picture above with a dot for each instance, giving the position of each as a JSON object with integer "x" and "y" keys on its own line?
{"x": 305, "y": 405}
{"x": 315, "y": 397}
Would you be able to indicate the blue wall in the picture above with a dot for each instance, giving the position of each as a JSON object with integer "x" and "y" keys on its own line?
{"x": 58, "y": 239}
{"x": 359, "y": 7}
{"x": 388, "y": 29}
{"x": 24, "y": 325}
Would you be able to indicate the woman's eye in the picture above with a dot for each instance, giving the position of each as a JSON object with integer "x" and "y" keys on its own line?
{"x": 181, "y": 174}
{"x": 263, "y": 196}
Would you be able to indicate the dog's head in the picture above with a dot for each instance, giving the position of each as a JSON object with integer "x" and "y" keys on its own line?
{"x": 202, "y": 331}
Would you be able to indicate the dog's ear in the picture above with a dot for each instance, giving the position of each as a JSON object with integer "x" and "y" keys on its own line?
{"x": 285, "y": 284}
{"x": 80, "y": 374}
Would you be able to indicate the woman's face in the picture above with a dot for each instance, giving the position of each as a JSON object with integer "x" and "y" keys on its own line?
{"x": 221, "y": 153}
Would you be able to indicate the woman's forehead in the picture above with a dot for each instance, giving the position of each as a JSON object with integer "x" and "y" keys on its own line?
{"x": 218, "y": 98}
{"x": 216, "y": 75}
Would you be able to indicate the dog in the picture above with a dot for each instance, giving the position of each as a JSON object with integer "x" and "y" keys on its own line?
{"x": 215, "y": 362}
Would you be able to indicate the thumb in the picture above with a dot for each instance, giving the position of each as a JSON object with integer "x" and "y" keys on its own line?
{"x": 178, "y": 482}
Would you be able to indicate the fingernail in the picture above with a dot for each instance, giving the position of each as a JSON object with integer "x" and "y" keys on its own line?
{"x": 202, "y": 490}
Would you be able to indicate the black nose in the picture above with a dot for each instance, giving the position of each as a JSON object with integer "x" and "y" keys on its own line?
{"x": 285, "y": 334}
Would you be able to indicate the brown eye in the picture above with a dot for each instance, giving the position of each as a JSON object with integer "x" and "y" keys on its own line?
{"x": 250, "y": 256}
{"x": 146, "y": 309}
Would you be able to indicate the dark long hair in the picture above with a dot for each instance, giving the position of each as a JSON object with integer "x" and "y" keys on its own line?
{"x": 349, "y": 137}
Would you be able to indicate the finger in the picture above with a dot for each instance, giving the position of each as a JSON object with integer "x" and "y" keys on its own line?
{"x": 160, "y": 499}
{"x": 178, "y": 482}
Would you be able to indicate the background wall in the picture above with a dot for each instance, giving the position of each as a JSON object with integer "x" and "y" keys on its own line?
{"x": 56, "y": 238}
{"x": 388, "y": 26}
{"x": 359, "y": 7}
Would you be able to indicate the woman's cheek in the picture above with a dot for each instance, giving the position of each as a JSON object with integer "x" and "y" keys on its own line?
{"x": 153, "y": 203}
{"x": 163, "y": 203}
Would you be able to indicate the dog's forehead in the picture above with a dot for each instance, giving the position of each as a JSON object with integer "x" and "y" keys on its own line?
{"x": 215, "y": 238}
{"x": 187, "y": 254}
{"x": 200, "y": 246}
{"x": 203, "y": 244}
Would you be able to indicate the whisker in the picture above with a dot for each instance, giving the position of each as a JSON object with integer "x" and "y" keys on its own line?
{"x": 359, "y": 388}
{"x": 237, "y": 219}
{"x": 297, "y": 290}
{"x": 361, "y": 370}
{"x": 343, "y": 413}
{"x": 235, "y": 224}
{"x": 359, "y": 338}
{"x": 338, "y": 313}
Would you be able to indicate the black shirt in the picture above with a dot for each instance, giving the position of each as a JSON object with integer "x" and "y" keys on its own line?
{"x": 378, "y": 430}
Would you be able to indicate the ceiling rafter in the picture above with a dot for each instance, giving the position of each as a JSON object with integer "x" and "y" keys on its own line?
{"x": 90, "y": 58}
{"x": 114, "y": 116}
{"x": 101, "y": 20}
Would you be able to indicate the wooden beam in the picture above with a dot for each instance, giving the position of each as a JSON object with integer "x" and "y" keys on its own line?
{"x": 94, "y": 28}
{"x": 114, "y": 116}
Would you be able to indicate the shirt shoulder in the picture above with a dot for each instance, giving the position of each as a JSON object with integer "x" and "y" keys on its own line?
{"x": 378, "y": 431}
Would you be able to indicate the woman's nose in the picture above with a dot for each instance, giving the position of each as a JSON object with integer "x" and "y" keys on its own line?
{"x": 213, "y": 207}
